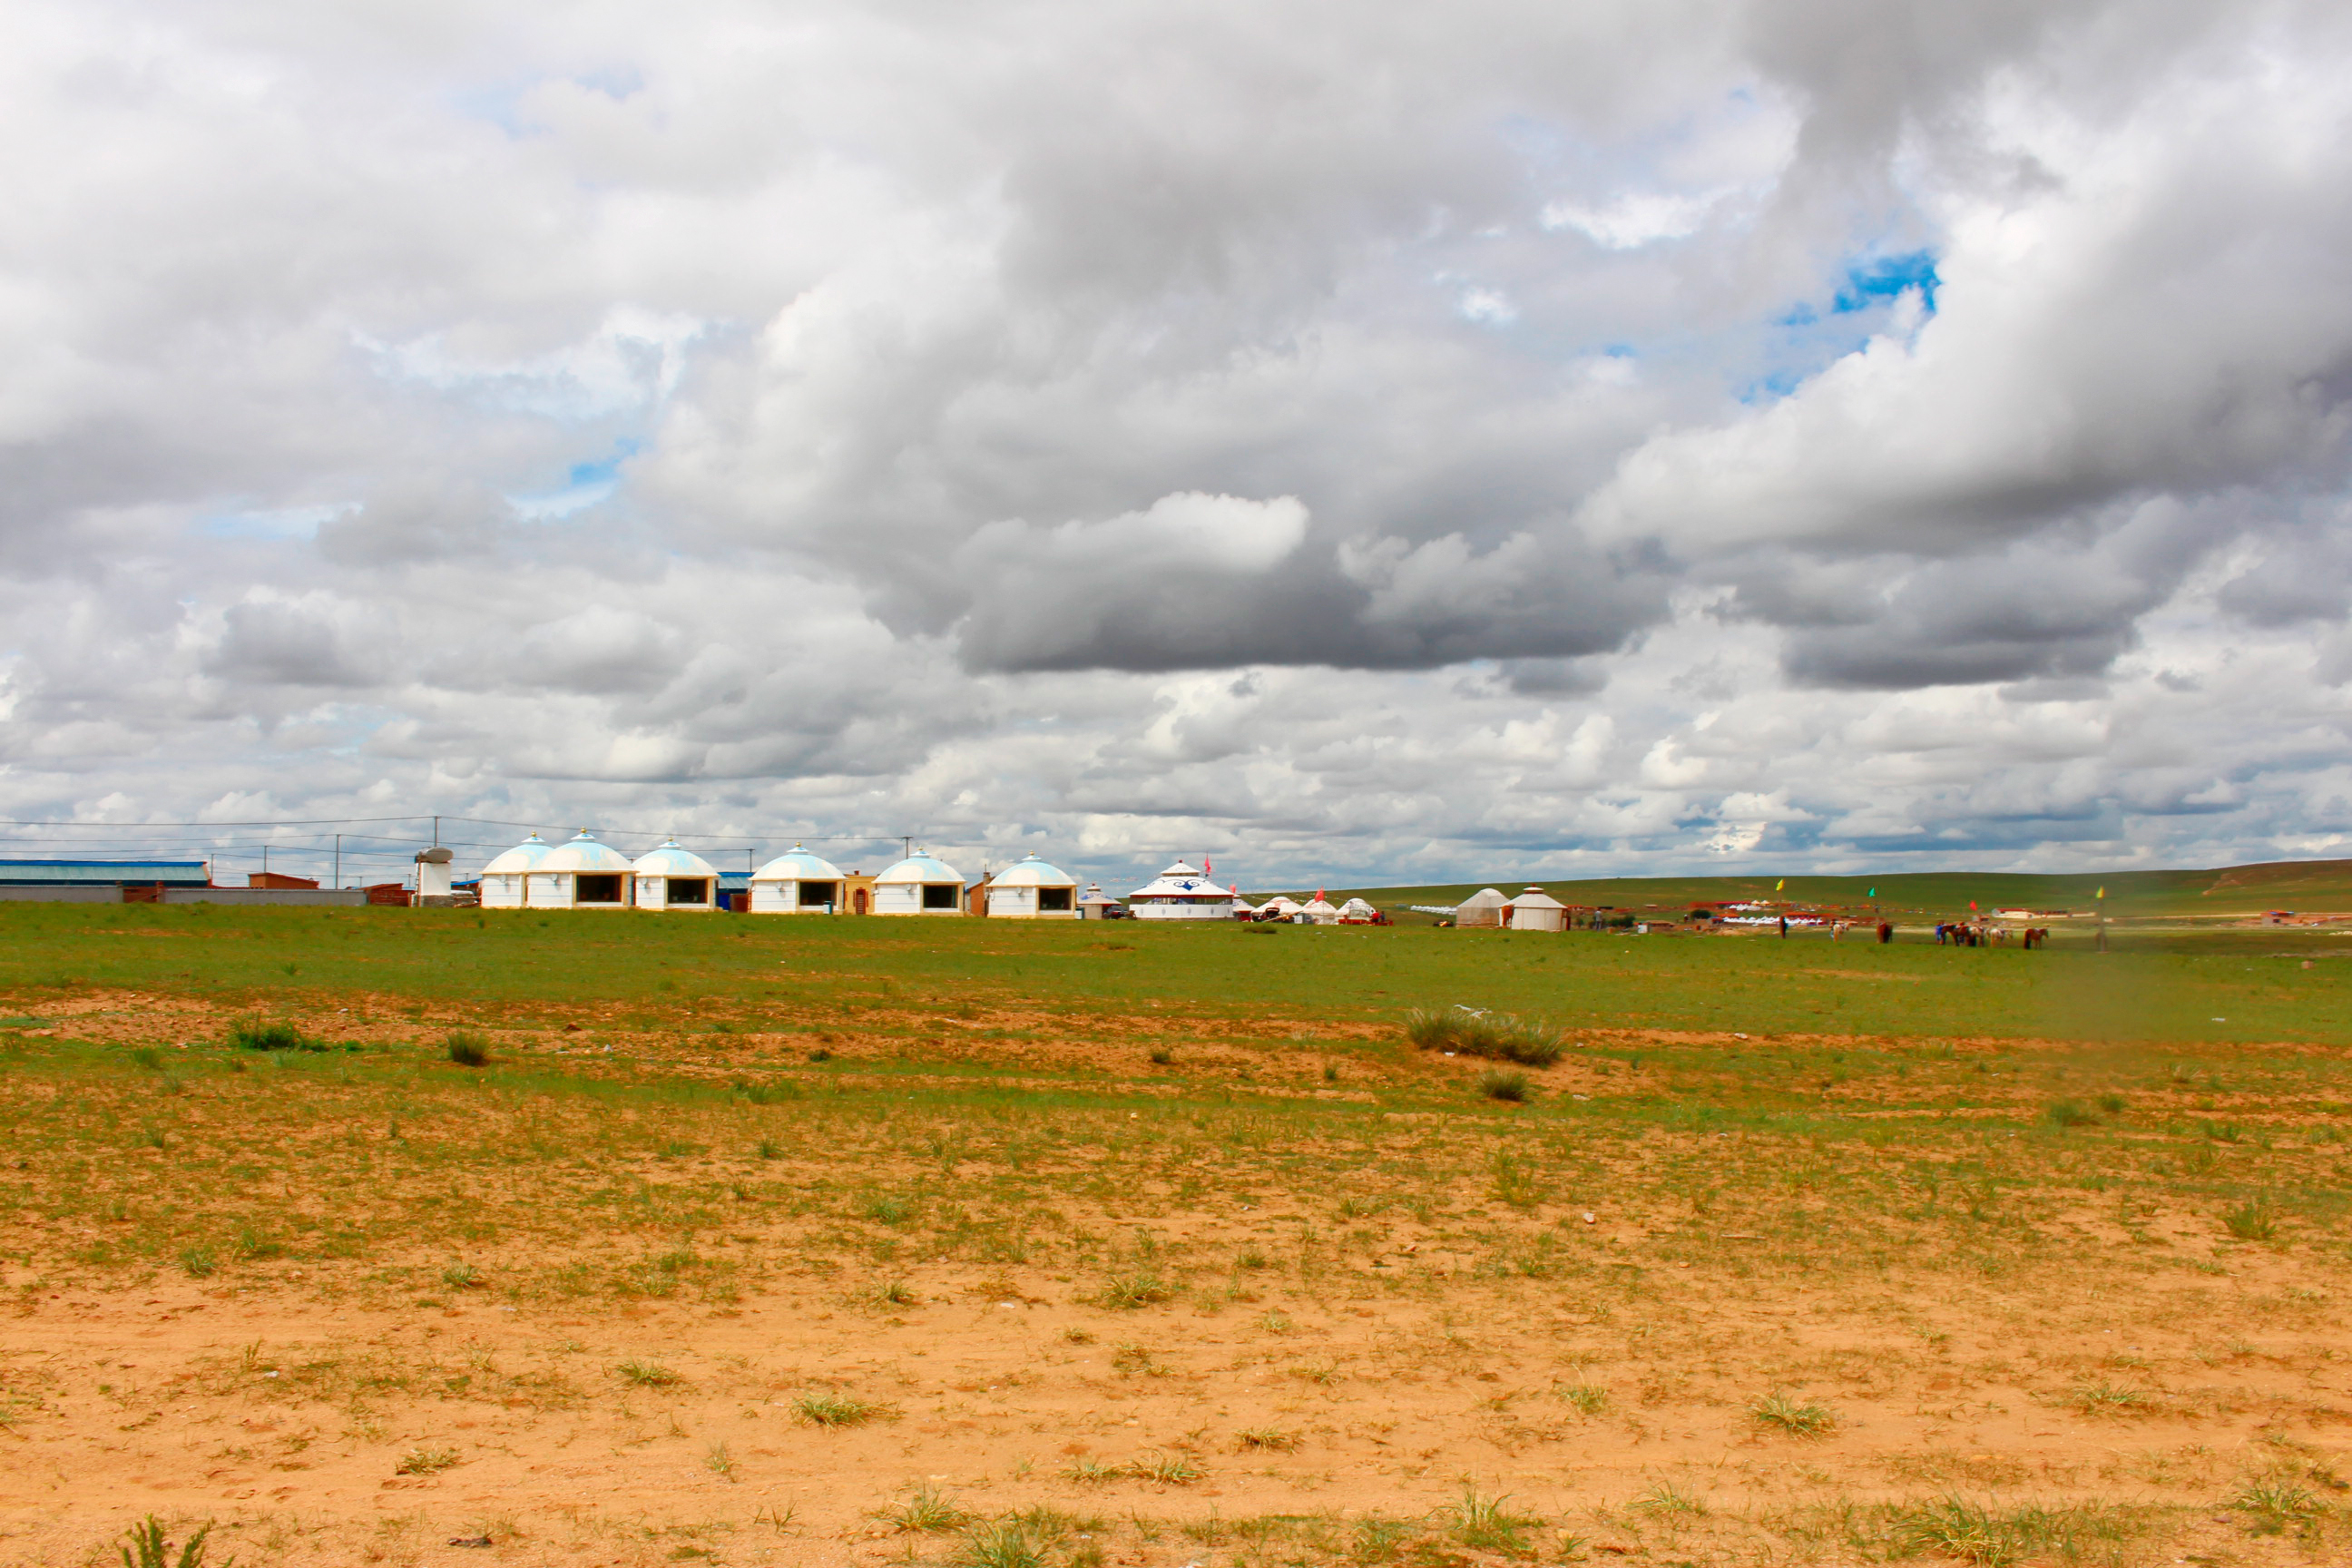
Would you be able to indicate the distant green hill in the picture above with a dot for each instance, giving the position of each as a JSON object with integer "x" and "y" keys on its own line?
{"x": 2308, "y": 886}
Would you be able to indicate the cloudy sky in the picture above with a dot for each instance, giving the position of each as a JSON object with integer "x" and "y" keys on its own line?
{"x": 1362, "y": 441}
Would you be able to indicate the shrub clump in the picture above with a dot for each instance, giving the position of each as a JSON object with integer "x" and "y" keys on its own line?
{"x": 468, "y": 1049}
{"x": 1500, "y": 1036}
{"x": 1497, "y": 1083}
{"x": 257, "y": 1035}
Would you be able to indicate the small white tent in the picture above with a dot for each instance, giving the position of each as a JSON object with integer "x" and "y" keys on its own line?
{"x": 1536, "y": 910}
{"x": 1356, "y": 911}
{"x": 582, "y": 874}
{"x": 1483, "y": 907}
{"x": 1318, "y": 912}
{"x": 921, "y": 884}
{"x": 672, "y": 878}
{"x": 796, "y": 883}
{"x": 1096, "y": 905}
{"x": 1280, "y": 907}
{"x": 1030, "y": 889}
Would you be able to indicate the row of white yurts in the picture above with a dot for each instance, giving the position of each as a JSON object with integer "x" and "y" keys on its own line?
{"x": 584, "y": 874}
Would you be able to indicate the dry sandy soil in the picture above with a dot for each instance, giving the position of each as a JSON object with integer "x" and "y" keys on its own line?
{"x": 2133, "y": 1372}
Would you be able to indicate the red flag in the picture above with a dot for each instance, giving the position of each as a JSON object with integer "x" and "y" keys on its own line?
{"x": 1207, "y": 864}
{"x": 1972, "y": 903}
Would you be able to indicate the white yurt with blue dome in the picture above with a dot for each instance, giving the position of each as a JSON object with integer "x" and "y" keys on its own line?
{"x": 583, "y": 873}
{"x": 797, "y": 883}
{"x": 671, "y": 879}
{"x": 505, "y": 881}
{"x": 1030, "y": 889}
{"x": 921, "y": 884}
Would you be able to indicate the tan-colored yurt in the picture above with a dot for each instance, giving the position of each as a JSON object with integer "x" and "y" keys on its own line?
{"x": 1096, "y": 904}
{"x": 1483, "y": 907}
{"x": 1536, "y": 910}
{"x": 675, "y": 880}
{"x": 921, "y": 884}
{"x": 1281, "y": 907}
{"x": 1316, "y": 911}
{"x": 582, "y": 874}
{"x": 1030, "y": 889}
{"x": 798, "y": 883}
{"x": 505, "y": 881}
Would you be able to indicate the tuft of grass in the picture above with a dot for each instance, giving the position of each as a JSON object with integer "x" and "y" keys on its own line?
{"x": 427, "y": 1461}
{"x": 147, "y": 1057}
{"x": 767, "y": 1149}
{"x": 1006, "y": 1544}
{"x": 823, "y": 1408}
{"x": 467, "y": 1048}
{"x": 198, "y": 1262}
{"x": 257, "y": 1034}
{"x": 461, "y": 1277}
{"x": 1590, "y": 1398}
{"x": 2251, "y": 1222}
{"x": 1092, "y": 1472}
{"x": 2113, "y": 1104}
{"x": 2276, "y": 1505}
{"x": 1500, "y": 1083}
{"x": 1169, "y": 1469}
{"x": 719, "y": 1462}
{"x": 2067, "y": 1114}
{"x": 1530, "y": 1042}
{"x": 888, "y": 1209}
{"x": 927, "y": 1511}
{"x": 885, "y": 1293}
{"x": 1970, "y": 1533}
{"x": 649, "y": 1374}
{"x": 1126, "y": 1292}
{"x": 1162, "y": 1057}
{"x": 2103, "y": 1398}
{"x": 1484, "y": 1524}
{"x": 1666, "y": 1498}
{"x": 144, "y": 1545}
{"x": 1376, "y": 1541}
{"x": 1273, "y": 1440}
{"x": 1792, "y": 1415}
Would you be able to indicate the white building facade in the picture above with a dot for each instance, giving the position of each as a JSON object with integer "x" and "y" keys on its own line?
{"x": 921, "y": 884}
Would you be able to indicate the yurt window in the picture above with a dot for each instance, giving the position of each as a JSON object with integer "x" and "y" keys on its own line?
{"x": 686, "y": 890}
{"x": 597, "y": 889}
{"x": 940, "y": 896}
{"x": 814, "y": 893}
{"x": 1055, "y": 900}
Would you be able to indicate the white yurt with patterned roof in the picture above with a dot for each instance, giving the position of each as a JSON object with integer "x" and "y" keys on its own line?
{"x": 796, "y": 883}
{"x": 505, "y": 881}
{"x": 675, "y": 880}
{"x": 1031, "y": 890}
{"x": 582, "y": 874}
{"x": 1181, "y": 893}
{"x": 921, "y": 884}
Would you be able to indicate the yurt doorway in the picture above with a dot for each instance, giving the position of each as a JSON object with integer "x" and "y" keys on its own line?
{"x": 860, "y": 901}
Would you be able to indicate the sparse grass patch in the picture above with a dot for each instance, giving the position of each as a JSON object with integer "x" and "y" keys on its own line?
{"x": 2251, "y": 1222}
{"x": 1590, "y": 1398}
{"x": 925, "y": 1510}
{"x": 1169, "y": 1469}
{"x": 1126, "y": 1292}
{"x": 2274, "y": 1505}
{"x": 428, "y": 1461}
{"x": 1273, "y": 1440}
{"x": 649, "y": 1374}
{"x": 1486, "y": 1524}
{"x": 269, "y": 1034}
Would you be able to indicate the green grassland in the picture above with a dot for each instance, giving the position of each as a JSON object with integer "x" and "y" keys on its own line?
{"x": 794, "y": 973}
{"x": 2229, "y": 891}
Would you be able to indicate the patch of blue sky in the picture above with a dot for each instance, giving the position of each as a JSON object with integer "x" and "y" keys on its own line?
{"x": 272, "y": 522}
{"x": 500, "y": 103}
{"x": 1883, "y": 279}
{"x": 584, "y": 484}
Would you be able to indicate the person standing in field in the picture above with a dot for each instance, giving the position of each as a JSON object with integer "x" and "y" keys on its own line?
{"x": 1784, "y": 926}
{"x": 1885, "y": 932}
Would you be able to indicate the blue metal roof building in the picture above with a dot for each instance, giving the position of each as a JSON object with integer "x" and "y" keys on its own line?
{"x": 105, "y": 873}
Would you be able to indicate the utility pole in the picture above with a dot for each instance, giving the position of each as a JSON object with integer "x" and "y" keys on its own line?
{"x": 906, "y": 845}
{"x": 339, "y": 859}
{"x": 436, "y": 832}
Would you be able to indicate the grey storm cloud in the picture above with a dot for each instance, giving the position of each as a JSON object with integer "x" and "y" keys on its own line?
{"x": 1370, "y": 438}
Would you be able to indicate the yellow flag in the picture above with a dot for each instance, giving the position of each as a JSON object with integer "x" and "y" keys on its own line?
{"x": 2101, "y": 893}
{"x": 1780, "y": 884}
